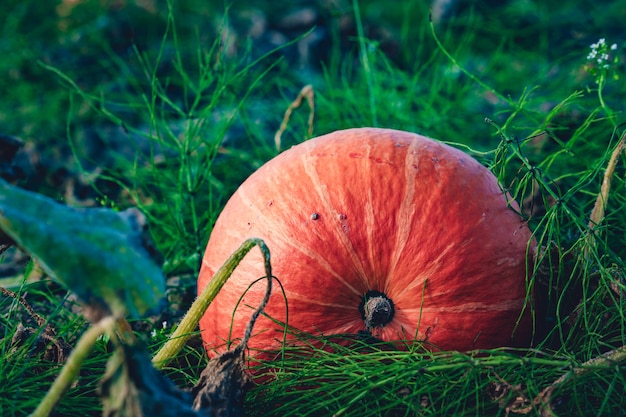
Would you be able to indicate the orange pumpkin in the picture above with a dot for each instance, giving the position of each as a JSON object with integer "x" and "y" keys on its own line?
{"x": 374, "y": 230}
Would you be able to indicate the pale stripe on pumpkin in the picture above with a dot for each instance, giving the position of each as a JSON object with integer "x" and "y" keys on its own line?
{"x": 321, "y": 190}
{"x": 406, "y": 212}
{"x": 508, "y": 305}
{"x": 283, "y": 239}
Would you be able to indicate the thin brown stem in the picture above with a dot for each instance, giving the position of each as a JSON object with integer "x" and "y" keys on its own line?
{"x": 308, "y": 93}
{"x": 599, "y": 208}
{"x": 40, "y": 320}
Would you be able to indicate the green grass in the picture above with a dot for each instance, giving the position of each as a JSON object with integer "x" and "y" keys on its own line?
{"x": 199, "y": 120}
{"x": 33, "y": 361}
{"x": 379, "y": 382}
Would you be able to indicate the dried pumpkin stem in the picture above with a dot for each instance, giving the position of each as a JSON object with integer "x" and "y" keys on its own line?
{"x": 190, "y": 322}
{"x": 261, "y": 307}
{"x": 376, "y": 309}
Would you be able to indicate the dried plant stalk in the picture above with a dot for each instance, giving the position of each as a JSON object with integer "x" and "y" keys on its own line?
{"x": 308, "y": 93}
{"x": 597, "y": 214}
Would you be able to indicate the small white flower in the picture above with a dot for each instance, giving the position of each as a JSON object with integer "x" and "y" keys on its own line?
{"x": 153, "y": 333}
{"x": 164, "y": 324}
{"x": 600, "y": 54}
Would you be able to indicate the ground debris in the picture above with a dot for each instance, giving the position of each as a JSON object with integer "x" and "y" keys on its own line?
{"x": 47, "y": 343}
{"x": 511, "y": 398}
{"x": 132, "y": 387}
{"x": 222, "y": 385}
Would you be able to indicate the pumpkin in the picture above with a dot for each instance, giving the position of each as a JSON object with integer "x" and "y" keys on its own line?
{"x": 374, "y": 230}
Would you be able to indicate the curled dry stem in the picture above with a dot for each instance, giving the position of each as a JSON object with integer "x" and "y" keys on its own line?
{"x": 222, "y": 384}
{"x": 190, "y": 322}
{"x": 308, "y": 93}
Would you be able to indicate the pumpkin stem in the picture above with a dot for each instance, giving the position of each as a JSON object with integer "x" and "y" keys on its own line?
{"x": 376, "y": 309}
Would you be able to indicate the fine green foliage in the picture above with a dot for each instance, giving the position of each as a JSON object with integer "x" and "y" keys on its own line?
{"x": 30, "y": 363}
{"x": 533, "y": 90}
{"x": 178, "y": 175}
{"x": 369, "y": 379}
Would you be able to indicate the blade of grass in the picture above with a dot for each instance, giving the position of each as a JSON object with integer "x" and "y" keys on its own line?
{"x": 364, "y": 54}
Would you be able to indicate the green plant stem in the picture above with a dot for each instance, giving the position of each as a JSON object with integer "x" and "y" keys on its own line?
{"x": 190, "y": 322}
{"x": 607, "y": 109}
{"x": 601, "y": 83}
{"x": 70, "y": 370}
{"x": 526, "y": 163}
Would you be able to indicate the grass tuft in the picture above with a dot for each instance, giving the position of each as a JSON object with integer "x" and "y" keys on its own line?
{"x": 187, "y": 120}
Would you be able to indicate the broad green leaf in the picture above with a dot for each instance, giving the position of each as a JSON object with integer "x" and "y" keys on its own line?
{"x": 103, "y": 256}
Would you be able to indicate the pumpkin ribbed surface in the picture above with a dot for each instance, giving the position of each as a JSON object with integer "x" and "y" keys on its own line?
{"x": 374, "y": 211}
